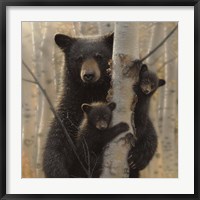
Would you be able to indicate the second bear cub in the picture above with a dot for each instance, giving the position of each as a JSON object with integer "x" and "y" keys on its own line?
{"x": 146, "y": 144}
{"x": 148, "y": 84}
{"x": 94, "y": 135}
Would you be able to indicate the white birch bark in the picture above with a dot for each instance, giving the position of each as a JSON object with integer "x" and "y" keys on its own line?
{"x": 160, "y": 111}
{"x": 46, "y": 74}
{"x": 126, "y": 48}
{"x": 73, "y": 29}
{"x": 29, "y": 103}
{"x": 78, "y": 28}
{"x": 37, "y": 63}
{"x": 59, "y": 69}
{"x": 170, "y": 111}
{"x": 156, "y": 37}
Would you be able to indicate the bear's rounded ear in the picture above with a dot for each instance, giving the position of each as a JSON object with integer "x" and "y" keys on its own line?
{"x": 144, "y": 68}
{"x": 63, "y": 41}
{"x": 86, "y": 107}
{"x": 112, "y": 106}
{"x": 161, "y": 82}
{"x": 109, "y": 39}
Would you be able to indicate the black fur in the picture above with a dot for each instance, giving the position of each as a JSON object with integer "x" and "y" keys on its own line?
{"x": 94, "y": 135}
{"x": 146, "y": 144}
{"x": 57, "y": 153}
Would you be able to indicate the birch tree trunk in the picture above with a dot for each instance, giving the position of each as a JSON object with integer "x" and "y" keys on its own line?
{"x": 29, "y": 111}
{"x": 78, "y": 28}
{"x": 46, "y": 74}
{"x": 36, "y": 56}
{"x": 126, "y": 49}
{"x": 157, "y": 35}
{"x": 170, "y": 109}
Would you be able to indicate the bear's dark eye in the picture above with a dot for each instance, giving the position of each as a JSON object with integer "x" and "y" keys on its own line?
{"x": 98, "y": 56}
{"x": 79, "y": 59}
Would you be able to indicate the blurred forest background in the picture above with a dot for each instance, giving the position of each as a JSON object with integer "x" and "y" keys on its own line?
{"x": 46, "y": 61}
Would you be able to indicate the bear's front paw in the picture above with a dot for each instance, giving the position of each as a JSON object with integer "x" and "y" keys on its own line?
{"x": 131, "y": 161}
{"x": 138, "y": 162}
{"x": 123, "y": 126}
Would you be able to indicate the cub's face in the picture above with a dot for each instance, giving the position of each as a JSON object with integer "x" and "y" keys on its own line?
{"x": 87, "y": 59}
{"x": 99, "y": 115}
{"x": 149, "y": 81}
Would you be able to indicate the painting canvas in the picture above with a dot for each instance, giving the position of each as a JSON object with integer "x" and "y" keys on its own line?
{"x": 99, "y": 99}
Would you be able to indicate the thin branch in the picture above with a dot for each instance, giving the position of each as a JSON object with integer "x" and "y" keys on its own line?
{"x": 72, "y": 122}
{"x": 88, "y": 156}
{"x": 84, "y": 151}
{"x": 160, "y": 44}
{"x": 56, "y": 116}
{"x": 97, "y": 158}
{"x": 30, "y": 81}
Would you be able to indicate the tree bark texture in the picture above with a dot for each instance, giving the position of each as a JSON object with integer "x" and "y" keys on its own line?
{"x": 123, "y": 78}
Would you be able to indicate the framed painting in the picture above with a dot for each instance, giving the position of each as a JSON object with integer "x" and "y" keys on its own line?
{"x": 99, "y": 99}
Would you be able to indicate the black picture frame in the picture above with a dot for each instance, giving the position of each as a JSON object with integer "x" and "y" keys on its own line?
{"x": 5, "y": 3}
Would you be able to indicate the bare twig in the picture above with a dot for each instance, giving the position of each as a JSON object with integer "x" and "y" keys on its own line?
{"x": 30, "y": 81}
{"x": 84, "y": 151}
{"x": 88, "y": 156}
{"x": 160, "y": 44}
{"x": 56, "y": 116}
{"x": 72, "y": 122}
{"x": 97, "y": 158}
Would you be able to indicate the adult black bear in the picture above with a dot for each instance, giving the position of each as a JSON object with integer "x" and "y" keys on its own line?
{"x": 146, "y": 144}
{"x": 94, "y": 134}
{"x": 85, "y": 80}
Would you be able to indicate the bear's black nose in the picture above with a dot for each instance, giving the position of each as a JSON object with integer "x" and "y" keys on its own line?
{"x": 88, "y": 76}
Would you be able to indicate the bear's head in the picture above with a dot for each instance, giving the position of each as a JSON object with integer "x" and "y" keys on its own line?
{"x": 87, "y": 59}
{"x": 99, "y": 114}
{"x": 149, "y": 82}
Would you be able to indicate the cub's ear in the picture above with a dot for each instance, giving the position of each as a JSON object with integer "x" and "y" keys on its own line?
{"x": 144, "y": 68}
{"x": 63, "y": 41}
{"x": 86, "y": 107}
{"x": 109, "y": 39}
{"x": 161, "y": 82}
{"x": 112, "y": 106}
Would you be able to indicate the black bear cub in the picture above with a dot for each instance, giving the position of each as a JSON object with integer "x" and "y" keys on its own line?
{"x": 146, "y": 144}
{"x": 94, "y": 134}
